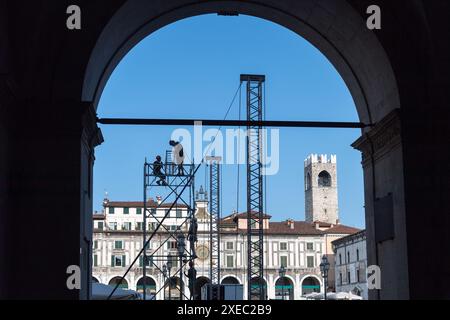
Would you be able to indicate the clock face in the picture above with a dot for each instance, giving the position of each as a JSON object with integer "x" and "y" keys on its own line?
{"x": 202, "y": 252}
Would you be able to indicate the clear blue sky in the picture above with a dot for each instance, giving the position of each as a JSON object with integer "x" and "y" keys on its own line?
{"x": 190, "y": 69}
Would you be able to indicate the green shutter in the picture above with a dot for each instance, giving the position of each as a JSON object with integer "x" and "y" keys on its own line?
{"x": 126, "y": 210}
{"x": 139, "y": 211}
{"x": 95, "y": 260}
{"x": 141, "y": 264}
{"x": 124, "y": 263}
{"x": 112, "y": 261}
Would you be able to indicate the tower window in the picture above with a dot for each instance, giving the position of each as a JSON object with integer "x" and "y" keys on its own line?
{"x": 324, "y": 179}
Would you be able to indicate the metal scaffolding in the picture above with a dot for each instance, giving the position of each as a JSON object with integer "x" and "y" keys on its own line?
{"x": 177, "y": 182}
{"x": 214, "y": 218}
{"x": 255, "y": 210}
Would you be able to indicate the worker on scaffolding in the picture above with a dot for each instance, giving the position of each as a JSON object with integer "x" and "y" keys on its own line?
{"x": 157, "y": 171}
{"x": 192, "y": 276}
{"x": 178, "y": 153}
{"x": 192, "y": 236}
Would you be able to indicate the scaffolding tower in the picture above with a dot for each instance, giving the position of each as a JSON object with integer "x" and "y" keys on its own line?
{"x": 214, "y": 218}
{"x": 255, "y": 212}
{"x": 176, "y": 182}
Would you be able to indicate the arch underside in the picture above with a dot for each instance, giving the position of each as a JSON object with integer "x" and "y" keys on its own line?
{"x": 332, "y": 27}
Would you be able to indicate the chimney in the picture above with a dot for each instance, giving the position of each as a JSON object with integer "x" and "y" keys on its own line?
{"x": 290, "y": 223}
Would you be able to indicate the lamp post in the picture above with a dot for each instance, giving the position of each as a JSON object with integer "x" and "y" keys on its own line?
{"x": 169, "y": 266}
{"x": 181, "y": 246}
{"x": 164, "y": 272}
{"x": 324, "y": 267}
{"x": 282, "y": 273}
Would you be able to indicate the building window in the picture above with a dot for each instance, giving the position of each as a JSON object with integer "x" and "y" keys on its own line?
{"x": 112, "y": 226}
{"x": 111, "y": 210}
{"x": 230, "y": 245}
{"x": 100, "y": 225}
{"x": 126, "y": 226}
{"x": 340, "y": 258}
{"x": 171, "y": 245}
{"x": 310, "y": 262}
{"x": 167, "y": 213}
{"x": 95, "y": 260}
{"x": 358, "y": 279}
{"x": 283, "y": 246}
{"x": 340, "y": 278}
{"x": 118, "y": 244}
{"x": 151, "y": 226}
{"x": 174, "y": 260}
{"x": 95, "y": 244}
{"x": 179, "y": 213}
{"x": 118, "y": 261}
{"x": 230, "y": 261}
{"x": 283, "y": 261}
{"x": 138, "y": 210}
{"x": 310, "y": 246}
{"x": 126, "y": 210}
{"x": 349, "y": 279}
{"x": 348, "y": 257}
{"x": 149, "y": 261}
{"x": 357, "y": 255}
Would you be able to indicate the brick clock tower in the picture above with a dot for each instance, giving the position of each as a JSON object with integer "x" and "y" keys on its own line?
{"x": 321, "y": 192}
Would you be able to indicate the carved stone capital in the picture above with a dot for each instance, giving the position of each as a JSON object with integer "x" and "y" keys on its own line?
{"x": 92, "y": 135}
{"x": 381, "y": 139}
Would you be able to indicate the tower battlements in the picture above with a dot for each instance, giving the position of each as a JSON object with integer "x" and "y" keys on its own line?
{"x": 320, "y": 158}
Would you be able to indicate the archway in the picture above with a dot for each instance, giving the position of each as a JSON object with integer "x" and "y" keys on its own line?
{"x": 199, "y": 283}
{"x": 284, "y": 289}
{"x": 95, "y": 280}
{"x": 257, "y": 283}
{"x": 123, "y": 284}
{"x": 374, "y": 97}
{"x": 230, "y": 280}
{"x": 150, "y": 286}
{"x": 310, "y": 285}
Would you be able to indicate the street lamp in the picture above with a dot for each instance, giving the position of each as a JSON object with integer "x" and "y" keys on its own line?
{"x": 282, "y": 273}
{"x": 324, "y": 267}
{"x": 164, "y": 272}
{"x": 181, "y": 246}
{"x": 169, "y": 266}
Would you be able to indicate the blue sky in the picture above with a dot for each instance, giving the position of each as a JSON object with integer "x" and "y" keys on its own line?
{"x": 190, "y": 69}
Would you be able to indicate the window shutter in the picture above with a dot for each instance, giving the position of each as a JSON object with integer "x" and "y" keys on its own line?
{"x": 123, "y": 261}
{"x": 140, "y": 262}
{"x": 112, "y": 261}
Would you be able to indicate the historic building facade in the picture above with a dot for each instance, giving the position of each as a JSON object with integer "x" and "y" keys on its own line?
{"x": 350, "y": 254}
{"x": 298, "y": 246}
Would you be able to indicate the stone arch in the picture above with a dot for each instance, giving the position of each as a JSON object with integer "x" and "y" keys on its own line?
{"x": 151, "y": 286}
{"x": 228, "y": 279}
{"x": 95, "y": 280}
{"x": 199, "y": 283}
{"x": 115, "y": 280}
{"x": 284, "y": 288}
{"x": 309, "y": 284}
{"x": 137, "y": 19}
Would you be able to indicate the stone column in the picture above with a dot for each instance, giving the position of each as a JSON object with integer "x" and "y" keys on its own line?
{"x": 382, "y": 161}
